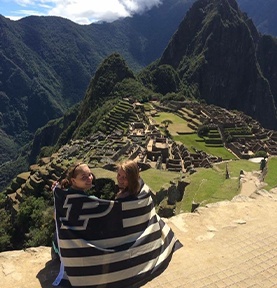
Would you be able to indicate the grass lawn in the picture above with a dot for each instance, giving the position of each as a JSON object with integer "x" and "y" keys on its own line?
{"x": 157, "y": 179}
{"x": 271, "y": 175}
{"x": 192, "y": 140}
{"x": 206, "y": 185}
{"x": 211, "y": 185}
{"x": 178, "y": 124}
{"x": 103, "y": 173}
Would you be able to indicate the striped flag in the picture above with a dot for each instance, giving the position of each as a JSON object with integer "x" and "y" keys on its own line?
{"x": 110, "y": 244}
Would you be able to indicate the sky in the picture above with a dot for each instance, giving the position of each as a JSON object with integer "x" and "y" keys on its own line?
{"x": 79, "y": 11}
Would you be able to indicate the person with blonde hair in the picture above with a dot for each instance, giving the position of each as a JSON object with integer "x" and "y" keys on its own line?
{"x": 78, "y": 178}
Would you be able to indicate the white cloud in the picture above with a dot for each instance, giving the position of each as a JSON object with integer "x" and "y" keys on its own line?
{"x": 86, "y": 11}
{"x": 24, "y": 2}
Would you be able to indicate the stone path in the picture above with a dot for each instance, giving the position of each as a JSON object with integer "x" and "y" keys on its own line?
{"x": 232, "y": 244}
{"x": 226, "y": 244}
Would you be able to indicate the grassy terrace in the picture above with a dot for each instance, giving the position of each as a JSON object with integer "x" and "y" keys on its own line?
{"x": 155, "y": 179}
{"x": 211, "y": 185}
{"x": 192, "y": 140}
{"x": 178, "y": 124}
{"x": 270, "y": 177}
{"x": 119, "y": 117}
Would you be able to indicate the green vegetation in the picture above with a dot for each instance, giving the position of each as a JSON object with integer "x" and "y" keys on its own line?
{"x": 165, "y": 79}
{"x": 210, "y": 140}
{"x": 271, "y": 174}
{"x": 177, "y": 123}
{"x": 162, "y": 116}
{"x": 205, "y": 186}
{"x": 34, "y": 223}
{"x": 158, "y": 179}
{"x": 6, "y": 228}
{"x": 211, "y": 185}
{"x": 155, "y": 179}
{"x": 118, "y": 118}
{"x": 193, "y": 141}
{"x": 103, "y": 173}
{"x": 134, "y": 89}
{"x": 46, "y": 83}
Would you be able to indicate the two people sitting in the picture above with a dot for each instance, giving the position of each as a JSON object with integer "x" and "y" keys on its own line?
{"x": 80, "y": 177}
{"x": 109, "y": 243}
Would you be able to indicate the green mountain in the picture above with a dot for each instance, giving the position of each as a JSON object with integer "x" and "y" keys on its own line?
{"x": 46, "y": 62}
{"x": 218, "y": 54}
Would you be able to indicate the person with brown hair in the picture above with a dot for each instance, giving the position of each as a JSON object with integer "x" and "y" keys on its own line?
{"x": 128, "y": 181}
{"x": 78, "y": 177}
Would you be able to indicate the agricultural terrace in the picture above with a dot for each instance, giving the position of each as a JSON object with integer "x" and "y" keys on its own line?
{"x": 271, "y": 172}
{"x": 181, "y": 133}
{"x": 207, "y": 185}
{"x": 193, "y": 141}
{"x": 210, "y": 185}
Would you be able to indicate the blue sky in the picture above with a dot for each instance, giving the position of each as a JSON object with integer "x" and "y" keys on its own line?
{"x": 79, "y": 11}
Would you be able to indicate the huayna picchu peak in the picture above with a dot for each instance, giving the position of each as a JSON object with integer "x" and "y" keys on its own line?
{"x": 215, "y": 51}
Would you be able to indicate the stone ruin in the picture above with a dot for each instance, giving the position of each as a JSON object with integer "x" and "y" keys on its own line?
{"x": 147, "y": 145}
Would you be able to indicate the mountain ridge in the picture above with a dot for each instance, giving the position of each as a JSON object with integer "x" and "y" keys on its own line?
{"x": 36, "y": 91}
{"x": 47, "y": 62}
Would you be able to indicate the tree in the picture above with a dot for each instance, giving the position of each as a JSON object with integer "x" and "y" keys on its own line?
{"x": 166, "y": 123}
{"x": 5, "y": 230}
{"x": 203, "y": 131}
{"x": 34, "y": 223}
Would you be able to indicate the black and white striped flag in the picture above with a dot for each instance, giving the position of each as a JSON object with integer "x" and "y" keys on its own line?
{"x": 111, "y": 244}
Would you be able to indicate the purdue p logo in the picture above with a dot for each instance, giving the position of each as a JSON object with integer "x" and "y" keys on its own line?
{"x": 80, "y": 209}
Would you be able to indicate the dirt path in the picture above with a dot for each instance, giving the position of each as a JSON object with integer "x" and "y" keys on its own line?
{"x": 250, "y": 182}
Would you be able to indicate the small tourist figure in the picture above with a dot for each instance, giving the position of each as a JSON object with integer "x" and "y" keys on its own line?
{"x": 263, "y": 164}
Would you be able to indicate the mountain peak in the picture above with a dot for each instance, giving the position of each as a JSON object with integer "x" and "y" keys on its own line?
{"x": 112, "y": 71}
{"x": 202, "y": 20}
{"x": 214, "y": 49}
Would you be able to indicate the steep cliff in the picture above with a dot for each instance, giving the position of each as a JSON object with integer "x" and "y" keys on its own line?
{"x": 215, "y": 50}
